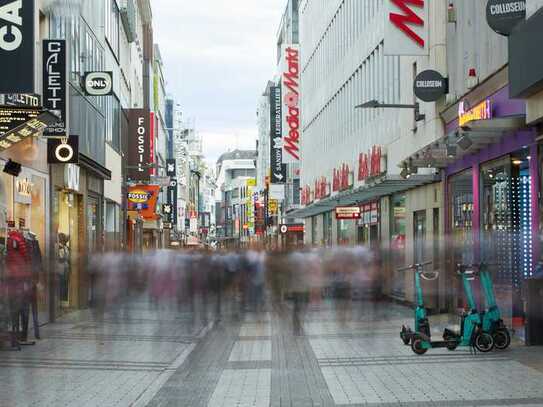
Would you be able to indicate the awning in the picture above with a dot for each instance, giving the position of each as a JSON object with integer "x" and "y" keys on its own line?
{"x": 472, "y": 138}
{"x": 383, "y": 186}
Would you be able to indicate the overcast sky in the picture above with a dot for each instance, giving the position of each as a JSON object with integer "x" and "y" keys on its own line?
{"x": 218, "y": 57}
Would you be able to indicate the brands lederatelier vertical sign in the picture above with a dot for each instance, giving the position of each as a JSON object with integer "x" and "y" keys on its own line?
{"x": 139, "y": 146}
{"x": 406, "y": 27}
{"x": 290, "y": 87}
{"x": 276, "y": 134}
{"x": 55, "y": 86}
{"x": 17, "y": 39}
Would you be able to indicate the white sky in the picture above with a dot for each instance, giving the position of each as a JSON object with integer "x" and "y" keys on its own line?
{"x": 218, "y": 57}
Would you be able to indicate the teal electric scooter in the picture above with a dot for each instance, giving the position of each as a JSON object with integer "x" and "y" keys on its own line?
{"x": 491, "y": 316}
{"x": 471, "y": 333}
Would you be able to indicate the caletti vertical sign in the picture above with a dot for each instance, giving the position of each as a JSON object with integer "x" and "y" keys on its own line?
{"x": 278, "y": 174}
{"x": 139, "y": 147}
{"x": 290, "y": 87}
{"x": 55, "y": 86}
{"x": 406, "y": 27}
{"x": 17, "y": 43}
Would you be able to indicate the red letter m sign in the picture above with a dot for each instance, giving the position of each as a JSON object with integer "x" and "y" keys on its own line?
{"x": 408, "y": 17}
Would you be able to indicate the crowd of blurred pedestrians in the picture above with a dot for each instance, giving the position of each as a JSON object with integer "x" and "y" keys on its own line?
{"x": 230, "y": 283}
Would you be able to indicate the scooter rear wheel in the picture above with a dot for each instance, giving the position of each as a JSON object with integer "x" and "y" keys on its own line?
{"x": 416, "y": 345}
{"x": 502, "y": 339}
{"x": 484, "y": 342}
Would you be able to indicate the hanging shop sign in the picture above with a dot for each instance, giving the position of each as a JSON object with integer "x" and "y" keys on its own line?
{"x": 322, "y": 188}
{"x": 139, "y": 147}
{"x": 482, "y": 111}
{"x": 17, "y": 42}
{"x": 290, "y": 85}
{"x": 504, "y": 15}
{"x": 98, "y": 83}
{"x": 55, "y": 85}
{"x": 278, "y": 170}
{"x": 171, "y": 168}
{"x": 59, "y": 152}
{"x": 372, "y": 164}
{"x": 143, "y": 198}
{"x": 167, "y": 211}
{"x": 172, "y": 199}
{"x": 429, "y": 86}
{"x": 292, "y": 228}
{"x": 406, "y": 27}
{"x": 343, "y": 178}
{"x": 71, "y": 177}
{"x": 348, "y": 212}
{"x": 29, "y": 128}
{"x": 22, "y": 100}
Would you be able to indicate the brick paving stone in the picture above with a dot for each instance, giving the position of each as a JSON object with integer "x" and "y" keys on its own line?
{"x": 251, "y": 351}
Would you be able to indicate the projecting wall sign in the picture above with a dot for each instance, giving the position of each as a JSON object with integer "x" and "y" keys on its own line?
{"x": 63, "y": 153}
{"x": 55, "y": 86}
{"x": 429, "y": 86}
{"x": 98, "y": 83}
{"x": 504, "y": 15}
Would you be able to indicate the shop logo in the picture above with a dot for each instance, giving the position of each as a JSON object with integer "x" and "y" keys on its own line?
{"x": 429, "y": 86}
{"x": 370, "y": 165}
{"x": 138, "y": 196}
{"x": 62, "y": 151}
{"x": 504, "y": 15}
{"x": 482, "y": 111}
{"x": 11, "y": 22}
{"x": 98, "y": 83}
{"x": 55, "y": 85}
{"x": 24, "y": 187}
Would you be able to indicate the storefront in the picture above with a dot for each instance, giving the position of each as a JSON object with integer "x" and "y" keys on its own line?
{"x": 24, "y": 207}
{"x": 492, "y": 201}
{"x": 78, "y": 230}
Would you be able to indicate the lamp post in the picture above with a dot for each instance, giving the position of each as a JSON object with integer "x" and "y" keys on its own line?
{"x": 374, "y": 104}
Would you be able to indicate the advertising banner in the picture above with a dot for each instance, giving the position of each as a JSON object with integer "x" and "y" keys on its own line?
{"x": 406, "y": 27}
{"x": 290, "y": 88}
{"x": 171, "y": 168}
{"x": 172, "y": 199}
{"x": 278, "y": 173}
{"x": 139, "y": 145}
{"x": 143, "y": 199}
{"x": 348, "y": 212}
{"x": 55, "y": 86}
{"x": 17, "y": 41}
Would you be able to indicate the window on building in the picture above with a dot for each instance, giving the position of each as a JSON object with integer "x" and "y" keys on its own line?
{"x": 112, "y": 25}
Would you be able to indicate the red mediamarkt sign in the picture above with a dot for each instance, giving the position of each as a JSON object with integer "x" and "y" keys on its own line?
{"x": 321, "y": 188}
{"x": 291, "y": 109}
{"x": 341, "y": 178}
{"x": 409, "y": 17}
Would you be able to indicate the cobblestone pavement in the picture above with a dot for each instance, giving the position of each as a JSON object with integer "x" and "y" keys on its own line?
{"x": 323, "y": 357}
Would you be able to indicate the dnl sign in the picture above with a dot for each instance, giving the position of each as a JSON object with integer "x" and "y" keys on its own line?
{"x": 98, "y": 83}
{"x": 406, "y": 27}
{"x": 17, "y": 39}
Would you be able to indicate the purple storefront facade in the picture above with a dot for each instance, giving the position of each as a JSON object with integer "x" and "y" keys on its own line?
{"x": 492, "y": 206}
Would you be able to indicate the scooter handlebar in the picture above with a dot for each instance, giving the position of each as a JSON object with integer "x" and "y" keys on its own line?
{"x": 416, "y": 266}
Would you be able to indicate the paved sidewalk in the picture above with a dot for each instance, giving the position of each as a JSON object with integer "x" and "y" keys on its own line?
{"x": 110, "y": 360}
{"x": 325, "y": 356}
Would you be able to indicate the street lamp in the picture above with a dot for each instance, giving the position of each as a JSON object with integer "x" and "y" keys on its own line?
{"x": 374, "y": 104}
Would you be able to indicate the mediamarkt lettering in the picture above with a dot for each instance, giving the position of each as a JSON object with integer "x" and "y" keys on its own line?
{"x": 292, "y": 100}
{"x": 507, "y": 8}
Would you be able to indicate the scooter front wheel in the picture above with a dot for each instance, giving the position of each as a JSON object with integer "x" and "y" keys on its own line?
{"x": 417, "y": 345}
{"x": 484, "y": 342}
{"x": 502, "y": 339}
